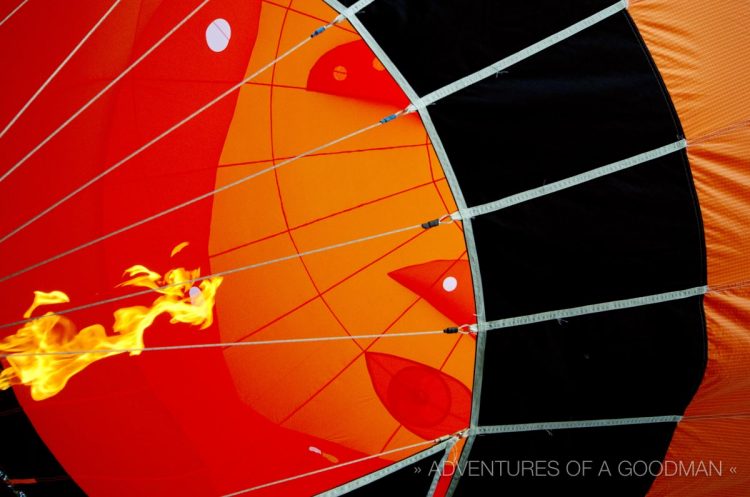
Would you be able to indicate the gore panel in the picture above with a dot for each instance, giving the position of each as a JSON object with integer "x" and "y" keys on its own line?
{"x": 588, "y": 101}
{"x": 633, "y": 233}
{"x": 435, "y": 42}
{"x": 645, "y": 361}
{"x": 414, "y": 479}
{"x": 584, "y": 103}
{"x": 619, "y": 447}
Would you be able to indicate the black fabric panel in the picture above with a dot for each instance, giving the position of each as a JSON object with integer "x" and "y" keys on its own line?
{"x": 645, "y": 361}
{"x": 620, "y": 447}
{"x": 589, "y": 101}
{"x": 414, "y": 479}
{"x": 435, "y": 42}
{"x": 24, "y": 455}
{"x": 586, "y": 102}
{"x": 633, "y": 233}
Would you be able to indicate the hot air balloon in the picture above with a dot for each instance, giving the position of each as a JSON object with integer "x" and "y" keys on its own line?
{"x": 339, "y": 247}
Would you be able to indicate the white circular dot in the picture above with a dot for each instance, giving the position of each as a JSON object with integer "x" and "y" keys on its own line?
{"x": 218, "y": 34}
{"x": 450, "y": 283}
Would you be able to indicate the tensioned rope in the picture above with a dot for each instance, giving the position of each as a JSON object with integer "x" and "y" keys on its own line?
{"x": 54, "y": 73}
{"x": 219, "y": 345}
{"x": 438, "y": 441}
{"x": 485, "y": 430}
{"x": 354, "y": 8}
{"x": 433, "y": 97}
{"x": 369, "y": 478}
{"x": 491, "y": 325}
{"x": 465, "y": 214}
{"x": 296, "y": 255}
{"x": 464, "y": 329}
{"x": 98, "y": 96}
{"x": 469, "y": 213}
{"x": 203, "y": 196}
{"x": 160, "y": 137}
{"x": 460, "y": 215}
{"x": 13, "y": 12}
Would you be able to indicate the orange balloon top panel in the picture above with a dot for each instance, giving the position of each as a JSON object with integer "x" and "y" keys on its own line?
{"x": 701, "y": 50}
{"x": 381, "y": 180}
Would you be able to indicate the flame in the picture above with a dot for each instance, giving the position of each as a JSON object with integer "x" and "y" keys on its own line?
{"x": 178, "y": 248}
{"x": 71, "y": 350}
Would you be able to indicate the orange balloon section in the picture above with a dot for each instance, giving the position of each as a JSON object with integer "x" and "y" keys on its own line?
{"x": 212, "y": 421}
{"x": 363, "y": 393}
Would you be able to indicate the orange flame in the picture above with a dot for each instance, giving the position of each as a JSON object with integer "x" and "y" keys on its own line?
{"x": 47, "y": 375}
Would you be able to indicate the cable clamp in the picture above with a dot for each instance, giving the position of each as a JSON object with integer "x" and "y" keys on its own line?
{"x": 319, "y": 31}
{"x": 390, "y": 118}
{"x": 464, "y": 329}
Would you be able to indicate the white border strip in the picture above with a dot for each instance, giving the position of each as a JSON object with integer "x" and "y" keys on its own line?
{"x": 420, "y": 104}
{"x": 570, "y": 182}
{"x": 221, "y": 345}
{"x": 517, "y": 57}
{"x": 570, "y": 425}
{"x": 439, "y": 473}
{"x": 613, "y": 305}
{"x": 450, "y": 176}
{"x": 348, "y": 13}
{"x": 458, "y": 196}
{"x": 381, "y": 473}
{"x": 463, "y": 461}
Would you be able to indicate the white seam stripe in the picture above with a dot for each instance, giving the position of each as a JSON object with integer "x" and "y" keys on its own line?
{"x": 594, "y": 308}
{"x": 570, "y": 425}
{"x": 517, "y": 57}
{"x": 570, "y": 181}
{"x": 439, "y": 473}
{"x": 381, "y": 473}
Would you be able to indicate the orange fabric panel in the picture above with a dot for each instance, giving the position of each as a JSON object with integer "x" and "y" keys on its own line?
{"x": 726, "y": 386}
{"x": 386, "y": 178}
{"x": 701, "y": 49}
{"x": 721, "y": 170}
{"x": 709, "y": 432}
{"x": 721, "y": 441}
